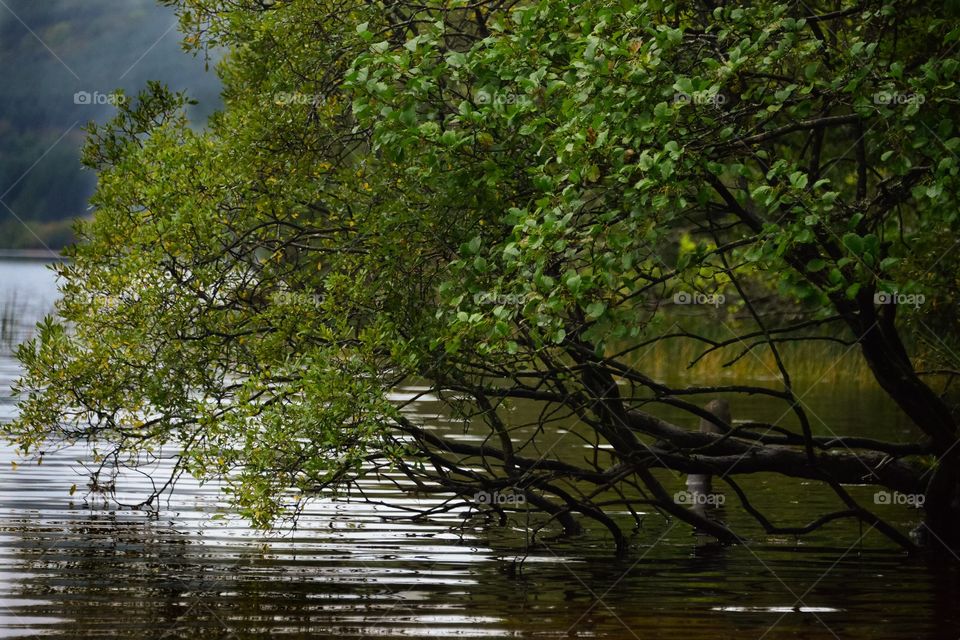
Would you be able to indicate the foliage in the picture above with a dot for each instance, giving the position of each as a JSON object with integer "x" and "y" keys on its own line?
{"x": 504, "y": 200}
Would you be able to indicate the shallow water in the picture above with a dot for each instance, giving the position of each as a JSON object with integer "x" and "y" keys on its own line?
{"x": 71, "y": 566}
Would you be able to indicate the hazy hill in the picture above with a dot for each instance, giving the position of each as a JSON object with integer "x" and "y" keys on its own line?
{"x": 61, "y": 59}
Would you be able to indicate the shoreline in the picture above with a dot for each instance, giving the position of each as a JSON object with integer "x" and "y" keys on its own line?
{"x": 42, "y": 255}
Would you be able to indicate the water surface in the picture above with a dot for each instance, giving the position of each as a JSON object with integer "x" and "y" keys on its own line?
{"x": 77, "y": 567}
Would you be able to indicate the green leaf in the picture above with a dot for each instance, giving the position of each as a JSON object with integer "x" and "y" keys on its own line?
{"x": 853, "y": 242}
{"x": 888, "y": 263}
{"x": 595, "y": 310}
{"x": 472, "y": 247}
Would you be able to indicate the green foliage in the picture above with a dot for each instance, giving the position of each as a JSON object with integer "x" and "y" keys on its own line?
{"x": 477, "y": 191}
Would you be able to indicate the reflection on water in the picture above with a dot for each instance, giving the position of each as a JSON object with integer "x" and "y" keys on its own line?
{"x": 71, "y": 566}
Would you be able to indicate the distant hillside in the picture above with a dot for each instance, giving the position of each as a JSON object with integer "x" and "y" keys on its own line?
{"x": 61, "y": 60}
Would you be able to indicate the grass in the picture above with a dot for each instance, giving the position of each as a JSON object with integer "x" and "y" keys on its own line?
{"x": 681, "y": 360}
{"x": 10, "y": 311}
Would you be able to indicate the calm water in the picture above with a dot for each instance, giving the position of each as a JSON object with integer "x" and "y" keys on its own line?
{"x": 75, "y": 567}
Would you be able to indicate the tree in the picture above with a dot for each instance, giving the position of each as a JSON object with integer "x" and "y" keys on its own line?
{"x": 502, "y": 199}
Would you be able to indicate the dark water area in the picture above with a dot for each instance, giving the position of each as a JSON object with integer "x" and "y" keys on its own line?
{"x": 77, "y": 567}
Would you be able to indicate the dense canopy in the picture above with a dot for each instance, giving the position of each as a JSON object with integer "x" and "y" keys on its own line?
{"x": 509, "y": 204}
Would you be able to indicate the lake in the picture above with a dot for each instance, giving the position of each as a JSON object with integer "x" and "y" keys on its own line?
{"x": 73, "y": 566}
